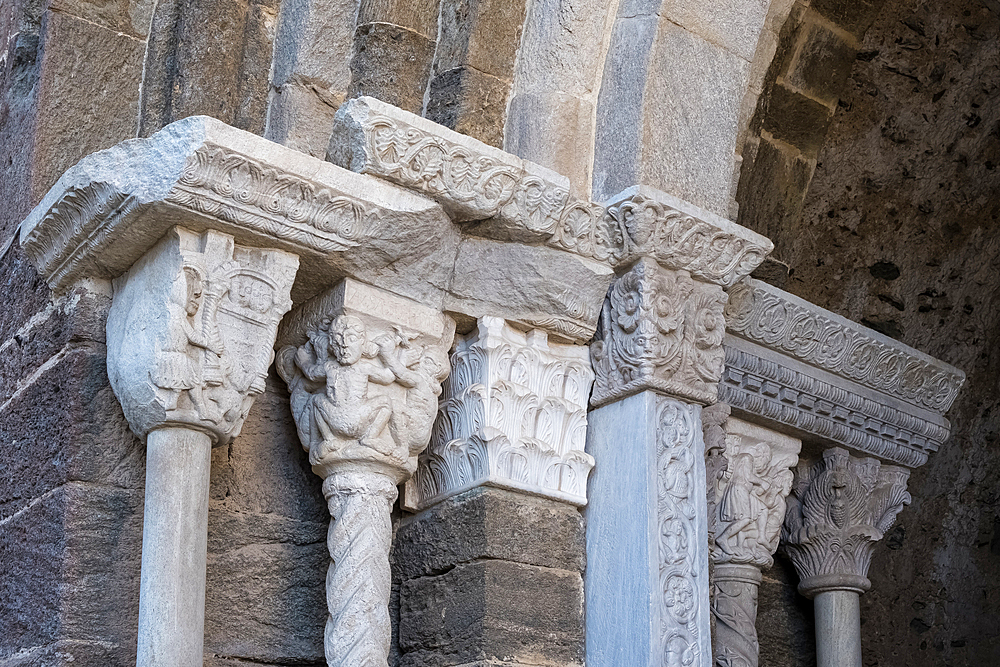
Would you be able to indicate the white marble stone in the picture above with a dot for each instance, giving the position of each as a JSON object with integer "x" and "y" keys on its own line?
{"x": 797, "y": 367}
{"x": 364, "y": 368}
{"x": 513, "y": 415}
{"x": 838, "y": 628}
{"x": 646, "y": 583}
{"x": 660, "y": 329}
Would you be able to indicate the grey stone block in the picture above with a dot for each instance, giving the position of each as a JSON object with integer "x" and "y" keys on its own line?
{"x": 391, "y": 63}
{"x": 492, "y": 610}
{"x": 490, "y": 523}
{"x": 471, "y": 102}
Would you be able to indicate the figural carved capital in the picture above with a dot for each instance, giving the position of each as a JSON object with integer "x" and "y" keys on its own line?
{"x": 191, "y": 331}
{"x": 513, "y": 415}
{"x": 749, "y": 503}
{"x": 660, "y": 329}
{"x": 839, "y": 507}
{"x": 364, "y": 368}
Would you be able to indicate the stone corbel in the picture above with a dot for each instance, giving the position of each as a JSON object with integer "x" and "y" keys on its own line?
{"x": 364, "y": 368}
{"x": 747, "y": 508}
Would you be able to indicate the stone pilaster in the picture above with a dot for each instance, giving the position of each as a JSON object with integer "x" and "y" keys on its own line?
{"x": 658, "y": 359}
{"x": 747, "y": 507}
{"x": 364, "y": 368}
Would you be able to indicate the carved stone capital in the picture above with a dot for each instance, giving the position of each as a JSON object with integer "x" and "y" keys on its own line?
{"x": 749, "y": 500}
{"x": 660, "y": 329}
{"x": 839, "y": 507}
{"x": 364, "y": 368}
{"x": 191, "y": 331}
{"x": 513, "y": 414}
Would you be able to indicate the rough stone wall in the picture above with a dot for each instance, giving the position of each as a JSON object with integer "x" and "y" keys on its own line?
{"x": 898, "y": 230}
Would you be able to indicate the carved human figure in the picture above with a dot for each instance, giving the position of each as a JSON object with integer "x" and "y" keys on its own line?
{"x": 179, "y": 367}
{"x": 677, "y": 652}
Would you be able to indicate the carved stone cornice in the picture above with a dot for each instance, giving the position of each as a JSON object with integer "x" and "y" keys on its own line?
{"x": 191, "y": 329}
{"x": 512, "y": 199}
{"x": 782, "y": 322}
{"x": 660, "y": 329}
{"x": 839, "y": 507}
{"x": 749, "y": 502}
{"x": 797, "y": 367}
{"x": 364, "y": 368}
{"x": 513, "y": 414}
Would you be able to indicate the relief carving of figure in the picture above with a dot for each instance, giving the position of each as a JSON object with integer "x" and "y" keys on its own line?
{"x": 331, "y": 378}
{"x": 180, "y": 360}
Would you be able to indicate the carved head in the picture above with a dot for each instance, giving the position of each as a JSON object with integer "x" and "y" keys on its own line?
{"x": 347, "y": 339}
{"x": 193, "y": 279}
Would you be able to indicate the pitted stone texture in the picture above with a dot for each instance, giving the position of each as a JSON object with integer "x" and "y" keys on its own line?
{"x": 492, "y": 610}
{"x": 513, "y": 414}
{"x": 391, "y": 63}
{"x": 492, "y": 524}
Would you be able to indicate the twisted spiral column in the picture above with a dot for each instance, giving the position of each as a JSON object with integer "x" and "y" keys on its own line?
{"x": 359, "y": 579}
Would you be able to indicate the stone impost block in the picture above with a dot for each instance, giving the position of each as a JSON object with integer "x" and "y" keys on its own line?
{"x": 804, "y": 370}
{"x": 513, "y": 414}
{"x": 660, "y": 329}
{"x": 840, "y": 506}
{"x": 105, "y": 212}
{"x": 471, "y": 180}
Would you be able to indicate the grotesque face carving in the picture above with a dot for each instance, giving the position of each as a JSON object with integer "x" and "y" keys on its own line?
{"x": 347, "y": 339}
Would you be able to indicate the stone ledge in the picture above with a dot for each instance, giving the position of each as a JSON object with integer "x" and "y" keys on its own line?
{"x": 799, "y": 368}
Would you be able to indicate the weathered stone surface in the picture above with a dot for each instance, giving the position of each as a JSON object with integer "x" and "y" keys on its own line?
{"x": 797, "y": 119}
{"x": 489, "y": 523}
{"x": 86, "y": 103}
{"x": 480, "y": 34}
{"x": 420, "y": 16}
{"x": 822, "y": 63}
{"x": 856, "y": 17}
{"x": 27, "y": 293}
{"x": 65, "y": 426}
{"x": 772, "y": 191}
{"x": 72, "y": 564}
{"x": 471, "y": 102}
{"x": 784, "y": 619}
{"x": 675, "y": 131}
{"x": 733, "y": 25}
{"x": 19, "y": 75}
{"x": 391, "y": 63}
{"x": 301, "y": 117}
{"x": 129, "y": 17}
{"x": 77, "y": 317}
{"x": 495, "y": 610}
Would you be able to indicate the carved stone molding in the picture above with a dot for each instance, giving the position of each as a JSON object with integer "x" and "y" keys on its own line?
{"x": 471, "y": 180}
{"x": 797, "y": 367}
{"x": 513, "y": 414}
{"x": 191, "y": 330}
{"x": 839, "y": 507}
{"x": 513, "y": 199}
{"x": 681, "y": 547}
{"x": 364, "y": 368}
{"x": 782, "y": 322}
{"x": 660, "y": 329}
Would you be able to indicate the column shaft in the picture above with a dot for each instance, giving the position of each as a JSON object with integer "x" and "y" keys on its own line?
{"x": 174, "y": 542}
{"x": 838, "y": 629}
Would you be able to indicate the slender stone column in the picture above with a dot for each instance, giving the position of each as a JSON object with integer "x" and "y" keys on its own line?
{"x": 839, "y": 507}
{"x": 190, "y": 336}
{"x": 364, "y": 368}
{"x": 747, "y": 507}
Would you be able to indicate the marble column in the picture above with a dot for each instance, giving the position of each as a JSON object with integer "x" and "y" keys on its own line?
{"x": 364, "y": 368}
{"x": 656, "y": 359}
{"x": 746, "y": 510}
{"x": 839, "y": 507}
{"x": 190, "y": 337}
